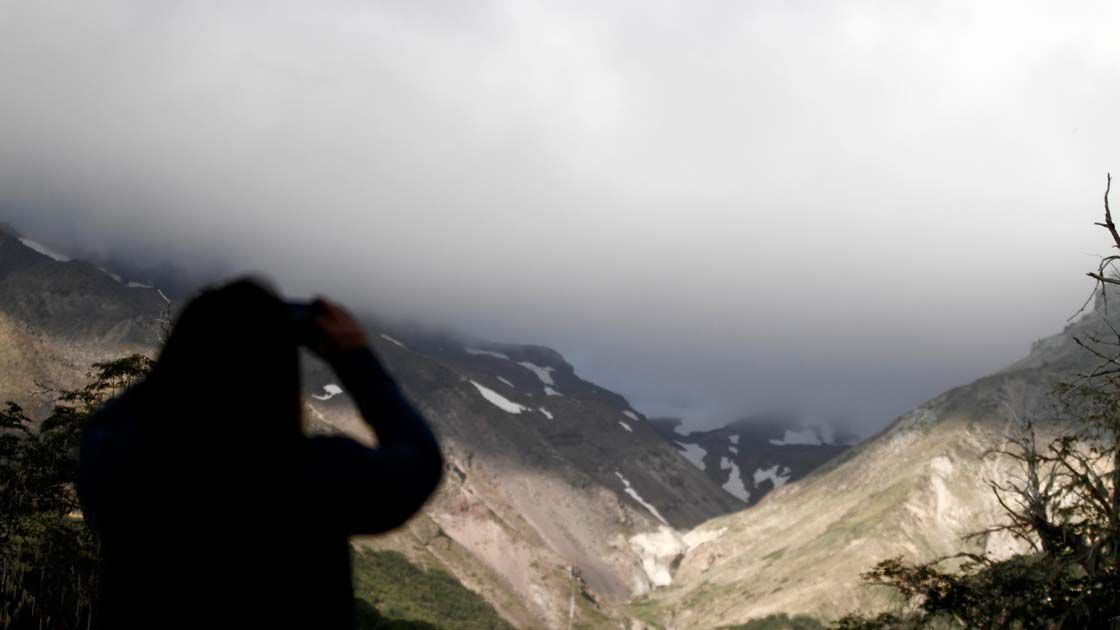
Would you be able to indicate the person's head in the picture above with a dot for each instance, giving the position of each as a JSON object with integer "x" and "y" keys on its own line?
{"x": 231, "y": 363}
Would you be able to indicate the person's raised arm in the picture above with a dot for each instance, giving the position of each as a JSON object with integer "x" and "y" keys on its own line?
{"x": 377, "y": 489}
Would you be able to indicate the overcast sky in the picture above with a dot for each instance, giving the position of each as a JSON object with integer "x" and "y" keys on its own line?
{"x": 715, "y": 208}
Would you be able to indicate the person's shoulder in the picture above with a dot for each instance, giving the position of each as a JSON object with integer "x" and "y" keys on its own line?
{"x": 116, "y": 416}
{"x": 326, "y": 444}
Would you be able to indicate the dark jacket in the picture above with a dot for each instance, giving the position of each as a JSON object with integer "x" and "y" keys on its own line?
{"x": 202, "y": 529}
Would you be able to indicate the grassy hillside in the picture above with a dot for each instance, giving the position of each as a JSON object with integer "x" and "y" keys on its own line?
{"x": 394, "y": 593}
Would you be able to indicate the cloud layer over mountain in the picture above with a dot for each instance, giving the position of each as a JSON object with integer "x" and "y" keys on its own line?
{"x": 715, "y": 208}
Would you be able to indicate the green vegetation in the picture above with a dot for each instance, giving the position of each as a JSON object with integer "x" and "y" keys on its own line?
{"x": 387, "y": 585}
{"x": 48, "y": 556}
{"x": 647, "y": 611}
{"x": 780, "y": 622}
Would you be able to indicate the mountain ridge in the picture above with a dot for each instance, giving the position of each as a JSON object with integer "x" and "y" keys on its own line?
{"x": 915, "y": 490}
{"x": 550, "y": 477}
{"x": 773, "y": 449}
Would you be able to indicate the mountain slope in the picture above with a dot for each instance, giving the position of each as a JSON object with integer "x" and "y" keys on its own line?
{"x": 751, "y": 457}
{"x": 552, "y": 481}
{"x": 550, "y": 478}
{"x": 57, "y": 318}
{"x": 913, "y": 490}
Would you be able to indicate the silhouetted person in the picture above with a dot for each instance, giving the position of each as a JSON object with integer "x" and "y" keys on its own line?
{"x": 213, "y": 507}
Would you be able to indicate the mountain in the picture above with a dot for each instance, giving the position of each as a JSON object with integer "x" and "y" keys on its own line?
{"x": 556, "y": 489}
{"x": 914, "y": 490}
{"x": 58, "y": 317}
{"x": 750, "y": 457}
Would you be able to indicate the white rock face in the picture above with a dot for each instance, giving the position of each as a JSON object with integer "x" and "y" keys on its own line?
{"x": 633, "y": 416}
{"x": 657, "y": 551}
{"x": 626, "y": 426}
{"x": 499, "y": 401}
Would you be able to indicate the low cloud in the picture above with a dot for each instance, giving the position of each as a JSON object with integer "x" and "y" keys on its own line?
{"x": 713, "y": 208}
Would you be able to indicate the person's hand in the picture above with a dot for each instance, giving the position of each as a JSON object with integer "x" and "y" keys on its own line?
{"x": 334, "y": 330}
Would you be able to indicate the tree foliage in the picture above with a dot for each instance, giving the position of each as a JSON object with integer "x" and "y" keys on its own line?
{"x": 392, "y": 592}
{"x": 48, "y": 556}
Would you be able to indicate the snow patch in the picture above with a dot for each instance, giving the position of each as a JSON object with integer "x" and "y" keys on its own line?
{"x": 499, "y": 401}
{"x": 141, "y": 285}
{"x": 331, "y": 390}
{"x": 112, "y": 275}
{"x": 735, "y": 485}
{"x": 475, "y": 352}
{"x": 778, "y": 479}
{"x": 734, "y": 450}
{"x": 734, "y": 439}
{"x": 626, "y": 426}
{"x": 543, "y": 373}
{"x": 694, "y": 453}
{"x": 658, "y": 551}
{"x": 551, "y": 392}
{"x": 44, "y": 250}
{"x": 633, "y": 416}
{"x": 805, "y": 436}
{"x": 546, "y": 413}
{"x": 507, "y": 383}
{"x": 628, "y": 489}
{"x": 391, "y": 340}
